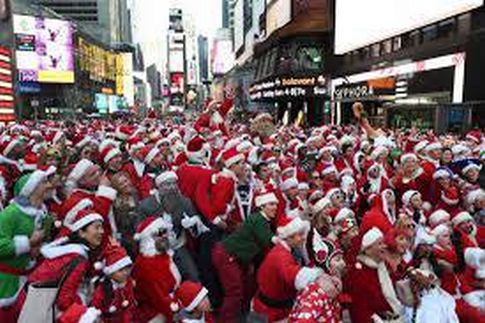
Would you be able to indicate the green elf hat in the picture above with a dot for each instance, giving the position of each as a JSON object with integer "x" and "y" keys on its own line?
{"x": 28, "y": 183}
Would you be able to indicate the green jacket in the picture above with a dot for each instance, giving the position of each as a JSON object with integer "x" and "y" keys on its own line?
{"x": 250, "y": 240}
{"x": 16, "y": 226}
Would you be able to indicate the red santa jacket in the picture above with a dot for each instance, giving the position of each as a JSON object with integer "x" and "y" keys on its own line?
{"x": 117, "y": 305}
{"x": 140, "y": 179}
{"x": 366, "y": 293}
{"x": 191, "y": 176}
{"x": 10, "y": 173}
{"x": 53, "y": 267}
{"x": 376, "y": 217}
{"x": 418, "y": 182}
{"x": 156, "y": 278}
{"x": 276, "y": 281}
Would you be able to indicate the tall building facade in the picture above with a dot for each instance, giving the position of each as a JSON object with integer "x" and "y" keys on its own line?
{"x": 203, "y": 45}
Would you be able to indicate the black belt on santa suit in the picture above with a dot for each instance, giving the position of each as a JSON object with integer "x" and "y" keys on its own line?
{"x": 275, "y": 303}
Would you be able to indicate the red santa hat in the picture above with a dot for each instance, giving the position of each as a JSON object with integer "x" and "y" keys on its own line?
{"x": 288, "y": 227}
{"x": 148, "y": 153}
{"x": 450, "y": 196}
{"x": 407, "y": 157}
{"x": 189, "y": 295}
{"x": 116, "y": 259}
{"x": 408, "y": 195}
{"x": 321, "y": 204}
{"x": 165, "y": 177}
{"x": 134, "y": 143}
{"x": 433, "y": 146}
{"x": 461, "y": 217}
{"x": 79, "y": 169}
{"x": 71, "y": 208}
{"x": 30, "y": 161}
{"x": 231, "y": 157}
{"x": 109, "y": 153}
{"x": 7, "y": 144}
{"x": 150, "y": 226}
{"x": 196, "y": 148}
{"x": 370, "y": 237}
{"x": 265, "y": 196}
{"x": 379, "y": 150}
{"x": 420, "y": 146}
{"x": 344, "y": 213}
{"x": 474, "y": 135}
{"x": 333, "y": 191}
{"x": 84, "y": 218}
{"x": 123, "y": 132}
{"x": 289, "y": 183}
{"x": 438, "y": 216}
{"x": 77, "y": 313}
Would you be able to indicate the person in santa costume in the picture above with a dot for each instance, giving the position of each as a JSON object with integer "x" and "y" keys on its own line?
{"x": 85, "y": 181}
{"x": 213, "y": 118}
{"x": 280, "y": 276}
{"x": 319, "y": 301}
{"x": 24, "y": 225}
{"x": 112, "y": 159}
{"x": 373, "y": 181}
{"x": 413, "y": 207}
{"x": 168, "y": 202}
{"x": 12, "y": 151}
{"x": 71, "y": 257}
{"x": 290, "y": 203}
{"x": 114, "y": 293}
{"x": 444, "y": 192}
{"x": 141, "y": 171}
{"x": 410, "y": 176}
{"x": 77, "y": 313}
{"x": 192, "y": 304}
{"x": 382, "y": 214}
{"x": 432, "y": 158}
{"x": 236, "y": 255}
{"x": 155, "y": 272}
{"x": 470, "y": 174}
{"x": 370, "y": 286}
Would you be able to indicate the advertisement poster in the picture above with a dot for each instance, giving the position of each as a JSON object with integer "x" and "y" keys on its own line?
{"x": 7, "y": 99}
{"x": 44, "y": 49}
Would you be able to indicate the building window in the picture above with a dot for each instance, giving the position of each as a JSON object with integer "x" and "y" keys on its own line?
{"x": 309, "y": 58}
{"x": 430, "y": 33}
{"x": 445, "y": 28}
{"x": 376, "y": 50}
{"x": 387, "y": 46}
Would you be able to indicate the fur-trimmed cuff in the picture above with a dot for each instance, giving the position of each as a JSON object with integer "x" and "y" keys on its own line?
{"x": 22, "y": 245}
{"x": 107, "y": 192}
{"x": 306, "y": 276}
{"x": 90, "y": 316}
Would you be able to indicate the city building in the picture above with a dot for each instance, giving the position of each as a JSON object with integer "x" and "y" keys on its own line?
{"x": 411, "y": 72}
{"x": 203, "y": 46}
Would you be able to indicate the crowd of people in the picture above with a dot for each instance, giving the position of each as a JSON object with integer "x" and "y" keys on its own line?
{"x": 217, "y": 221}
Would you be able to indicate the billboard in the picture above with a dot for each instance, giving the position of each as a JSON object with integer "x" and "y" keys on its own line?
{"x": 7, "y": 99}
{"x": 361, "y": 23}
{"x": 100, "y": 64}
{"x": 278, "y": 14}
{"x": 222, "y": 56}
{"x": 44, "y": 49}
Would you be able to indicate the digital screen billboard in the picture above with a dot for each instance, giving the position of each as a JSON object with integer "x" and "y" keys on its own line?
{"x": 222, "y": 56}
{"x": 44, "y": 49}
{"x": 361, "y": 23}
{"x": 101, "y": 102}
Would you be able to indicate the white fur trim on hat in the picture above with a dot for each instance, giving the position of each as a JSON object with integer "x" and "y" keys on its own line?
{"x": 470, "y": 167}
{"x": 86, "y": 140}
{"x": 303, "y": 186}
{"x": 289, "y": 183}
{"x": 263, "y": 199}
{"x": 379, "y": 150}
{"x": 405, "y": 157}
{"x": 433, "y": 146}
{"x": 306, "y": 276}
{"x": 152, "y": 154}
{"x": 120, "y": 264}
{"x": 439, "y": 230}
{"x": 32, "y": 183}
{"x": 71, "y": 214}
{"x": 321, "y": 204}
{"x": 344, "y": 213}
{"x": 437, "y": 216}
{"x": 233, "y": 160}
{"x": 460, "y": 218}
{"x": 84, "y": 221}
{"x": 332, "y": 191}
{"x": 197, "y": 299}
{"x": 329, "y": 170}
{"x": 441, "y": 173}
{"x": 111, "y": 154}
{"x": 475, "y": 195}
{"x": 11, "y": 145}
{"x": 449, "y": 201}
{"x": 406, "y": 198}
{"x": 420, "y": 146}
{"x": 370, "y": 237}
{"x": 153, "y": 227}
{"x": 165, "y": 176}
{"x": 296, "y": 225}
{"x": 80, "y": 169}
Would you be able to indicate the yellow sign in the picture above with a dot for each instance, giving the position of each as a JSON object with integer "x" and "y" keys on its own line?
{"x": 55, "y": 77}
{"x": 98, "y": 62}
{"x": 119, "y": 74}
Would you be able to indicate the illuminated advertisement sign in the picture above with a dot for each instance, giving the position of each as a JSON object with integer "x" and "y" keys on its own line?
{"x": 44, "y": 49}
{"x": 305, "y": 86}
{"x": 222, "y": 56}
{"x": 7, "y": 100}
{"x": 99, "y": 63}
{"x": 362, "y": 23}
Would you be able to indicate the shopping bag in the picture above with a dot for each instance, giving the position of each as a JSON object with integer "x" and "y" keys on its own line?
{"x": 39, "y": 303}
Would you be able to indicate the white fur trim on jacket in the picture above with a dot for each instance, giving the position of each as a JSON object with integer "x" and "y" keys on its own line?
{"x": 85, "y": 221}
{"x": 90, "y": 316}
{"x": 107, "y": 192}
{"x": 57, "y": 249}
{"x": 305, "y": 276}
{"x": 21, "y": 244}
{"x": 120, "y": 264}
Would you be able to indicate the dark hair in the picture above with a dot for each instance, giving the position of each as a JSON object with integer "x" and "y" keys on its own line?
{"x": 456, "y": 240}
